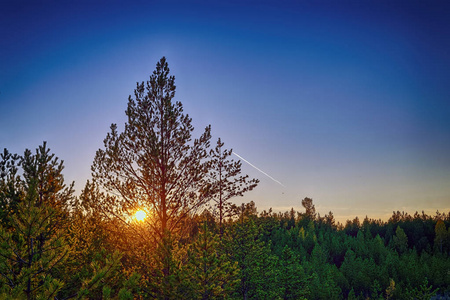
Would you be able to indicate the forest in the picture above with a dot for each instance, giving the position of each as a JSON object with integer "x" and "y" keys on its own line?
{"x": 158, "y": 220}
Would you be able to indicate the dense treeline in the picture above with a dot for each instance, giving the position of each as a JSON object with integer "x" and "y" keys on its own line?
{"x": 193, "y": 243}
{"x": 403, "y": 258}
{"x": 55, "y": 245}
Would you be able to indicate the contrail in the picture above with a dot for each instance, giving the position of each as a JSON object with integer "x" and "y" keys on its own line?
{"x": 258, "y": 169}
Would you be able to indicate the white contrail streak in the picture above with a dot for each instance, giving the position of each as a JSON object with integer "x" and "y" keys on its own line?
{"x": 258, "y": 169}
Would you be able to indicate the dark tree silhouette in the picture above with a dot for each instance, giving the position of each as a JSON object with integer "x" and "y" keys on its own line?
{"x": 226, "y": 181}
{"x": 310, "y": 209}
{"x": 153, "y": 164}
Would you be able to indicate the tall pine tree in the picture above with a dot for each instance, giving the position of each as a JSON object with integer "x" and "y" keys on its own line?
{"x": 33, "y": 244}
{"x": 154, "y": 164}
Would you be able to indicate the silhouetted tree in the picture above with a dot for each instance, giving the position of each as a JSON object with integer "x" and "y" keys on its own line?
{"x": 11, "y": 191}
{"x": 330, "y": 221}
{"x": 310, "y": 213}
{"x": 226, "y": 181}
{"x": 153, "y": 164}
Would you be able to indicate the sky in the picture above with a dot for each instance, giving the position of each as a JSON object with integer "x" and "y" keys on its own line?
{"x": 345, "y": 102}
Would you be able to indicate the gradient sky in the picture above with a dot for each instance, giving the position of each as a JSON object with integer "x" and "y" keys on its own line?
{"x": 346, "y": 102}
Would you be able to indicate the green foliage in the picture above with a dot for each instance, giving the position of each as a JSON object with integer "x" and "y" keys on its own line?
{"x": 54, "y": 246}
{"x": 352, "y": 295}
{"x": 323, "y": 285}
{"x": 422, "y": 292}
{"x": 46, "y": 248}
{"x": 166, "y": 277}
{"x": 293, "y": 280}
{"x": 362, "y": 263}
{"x": 400, "y": 240}
{"x": 31, "y": 251}
{"x": 208, "y": 272}
{"x": 33, "y": 241}
{"x": 258, "y": 272}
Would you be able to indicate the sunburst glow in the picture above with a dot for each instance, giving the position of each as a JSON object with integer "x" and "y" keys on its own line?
{"x": 140, "y": 215}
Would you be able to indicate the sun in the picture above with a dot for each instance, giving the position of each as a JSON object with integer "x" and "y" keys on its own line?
{"x": 140, "y": 215}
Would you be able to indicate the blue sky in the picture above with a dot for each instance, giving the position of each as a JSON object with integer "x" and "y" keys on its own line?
{"x": 346, "y": 102}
